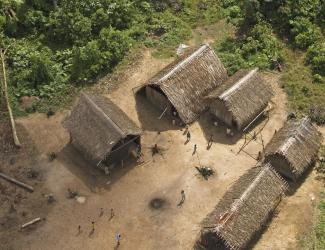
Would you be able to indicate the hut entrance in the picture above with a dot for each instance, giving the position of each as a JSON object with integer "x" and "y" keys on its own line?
{"x": 234, "y": 124}
{"x": 126, "y": 147}
{"x": 159, "y": 99}
{"x": 210, "y": 241}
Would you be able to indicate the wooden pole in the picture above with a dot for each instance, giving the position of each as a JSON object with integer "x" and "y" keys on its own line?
{"x": 31, "y": 223}
{"x": 262, "y": 143}
{"x": 162, "y": 114}
{"x": 5, "y": 91}
{"x": 18, "y": 183}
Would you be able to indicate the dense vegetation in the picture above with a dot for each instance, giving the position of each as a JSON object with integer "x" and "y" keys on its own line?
{"x": 276, "y": 33}
{"x": 54, "y": 45}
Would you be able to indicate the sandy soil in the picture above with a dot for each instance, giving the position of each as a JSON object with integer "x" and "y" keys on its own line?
{"x": 130, "y": 190}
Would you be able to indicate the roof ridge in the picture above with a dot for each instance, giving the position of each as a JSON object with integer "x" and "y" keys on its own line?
{"x": 120, "y": 131}
{"x": 245, "y": 195}
{"x": 183, "y": 63}
{"x": 225, "y": 95}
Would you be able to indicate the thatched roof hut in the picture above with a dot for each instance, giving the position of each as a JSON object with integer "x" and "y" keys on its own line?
{"x": 98, "y": 128}
{"x": 243, "y": 211}
{"x": 182, "y": 85}
{"x": 241, "y": 99}
{"x": 294, "y": 148}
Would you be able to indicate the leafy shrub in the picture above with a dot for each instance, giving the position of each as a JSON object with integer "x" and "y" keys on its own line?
{"x": 99, "y": 55}
{"x": 316, "y": 58}
{"x": 305, "y": 32}
{"x": 231, "y": 55}
{"x": 258, "y": 48}
{"x": 31, "y": 67}
{"x": 317, "y": 114}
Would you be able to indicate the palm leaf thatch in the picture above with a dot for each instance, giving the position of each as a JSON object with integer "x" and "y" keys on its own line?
{"x": 243, "y": 96}
{"x": 96, "y": 125}
{"x": 243, "y": 211}
{"x": 186, "y": 81}
{"x": 294, "y": 148}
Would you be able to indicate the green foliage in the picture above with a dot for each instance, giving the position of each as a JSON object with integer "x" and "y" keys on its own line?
{"x": 316, "y": 58}
{"x": 98, "y": 56}
{"x": 32, "y": 69}
{"x": 58, "y": 44}
{"x": 305, "y": 32}
{"x": 320, "y": 228}
{"x": 167, "y": 31}
{"x": 304, "y": 95}
{"x": 258, "y": 48}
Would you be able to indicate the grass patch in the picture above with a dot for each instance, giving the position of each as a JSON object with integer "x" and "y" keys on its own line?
{"x": 315, "y": 240}
{"x": 303, "y": 93}
{"x": 61, "y": 99}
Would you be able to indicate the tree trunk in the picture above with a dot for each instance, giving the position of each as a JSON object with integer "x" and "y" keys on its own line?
{"x": 5, "y": 92}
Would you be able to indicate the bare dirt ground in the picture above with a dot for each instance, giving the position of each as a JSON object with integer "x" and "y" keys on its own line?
{"x": 130, "y": 190}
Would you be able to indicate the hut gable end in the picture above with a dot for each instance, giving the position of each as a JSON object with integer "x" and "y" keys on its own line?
{"x": 96, "y": 125}
{"x": 297, "y": 144}
{"x": 245, "y": 95}
{"x": 244, "y": 209}
{"x": 186, "y": 81}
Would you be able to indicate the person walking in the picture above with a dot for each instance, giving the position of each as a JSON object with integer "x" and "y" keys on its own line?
{"x": 112, "y": 214}
{"x": 188, "y": 136}
{"x": 182, "y": 199}
{"x": 92, "y": 229}
{"x": 195, "y": 148}
{"x": 118, "y": 240}
{"x": 210, "y": 142}
{"x": 79, "y": 230}
{"x": 101, "y": 212}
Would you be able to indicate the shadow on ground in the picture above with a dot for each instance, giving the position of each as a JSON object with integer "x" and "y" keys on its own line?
{"x": 94, "y": 178}
{"x": 295, "y": 185}
{"x": 218, "y": 133}
{"x": 149, "y": 116}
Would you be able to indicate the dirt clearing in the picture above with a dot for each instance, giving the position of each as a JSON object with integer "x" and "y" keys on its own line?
{"x": 140, "y": 200}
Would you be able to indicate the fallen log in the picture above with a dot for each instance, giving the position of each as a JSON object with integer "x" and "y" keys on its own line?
{"x": 18, "y": 183}
{"x": 31, "y": 223}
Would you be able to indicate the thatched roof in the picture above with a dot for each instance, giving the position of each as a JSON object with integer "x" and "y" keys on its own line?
{"x": 186, "y": 81}
{"x": 244, "y": 94}
{"x": 298, "y": 142}
{"x": 96, "y": 124}
{"x": 244, "y": 209}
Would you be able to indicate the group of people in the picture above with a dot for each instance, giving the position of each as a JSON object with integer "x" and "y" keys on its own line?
{"x": 92, "y": 231}
{"x": 188, "y": 138}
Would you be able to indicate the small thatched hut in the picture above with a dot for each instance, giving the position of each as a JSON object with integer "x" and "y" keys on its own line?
{"x": 243, "y": 210}
{"x": 101, "y": 131}
{"x": 181, "y": 86}
{"x": 293, "y": 148}
{"x": 241, "y": 99}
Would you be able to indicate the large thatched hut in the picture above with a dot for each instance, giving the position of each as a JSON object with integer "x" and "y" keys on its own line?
{"x": 181, "y": 86}
{"x": 243, "y": 211}
{"x": 294, "y": 148}
{"x": 241, "y": 99}
{"x": 101, "y": 131}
